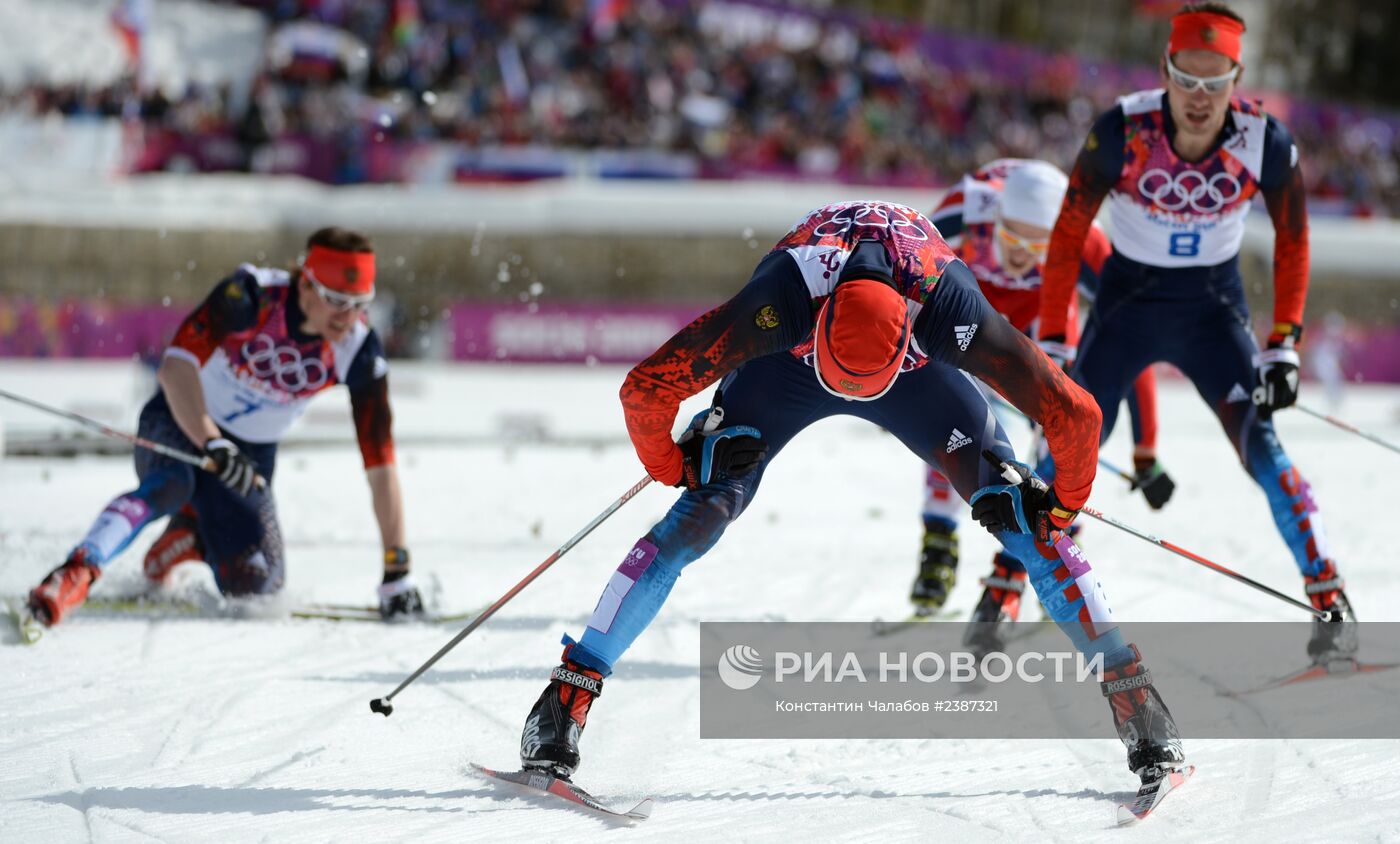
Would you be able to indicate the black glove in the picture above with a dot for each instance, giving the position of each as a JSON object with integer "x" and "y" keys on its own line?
{"x": 712, "y": 453}
{"x": 1156, "y": 485}
{"x": 399, "y": 598}
{"x": 1022, "y": 505}
{"x": 234, "y": 468}
{"x": 1277, "y": 371}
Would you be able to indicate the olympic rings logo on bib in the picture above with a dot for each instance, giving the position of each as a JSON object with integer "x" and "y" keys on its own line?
{"x": 284, "y": 365}
{"x": 862, "y": 215}
{"x": 1203, "y": 194}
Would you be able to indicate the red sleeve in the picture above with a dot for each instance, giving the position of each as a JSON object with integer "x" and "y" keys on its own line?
{"x": 1096, "y": 249}
{"x": 374, "y": 423}
{"x": 762, "y": 319}
{"x": 1145, "y": 391}
{"x": 1067, "y": 245}
{"x": 1288, "y": 207}
{"x": 231, "y": 306}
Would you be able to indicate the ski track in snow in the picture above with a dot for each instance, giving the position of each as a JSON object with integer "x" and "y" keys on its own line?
{"x": 201, "y": 728}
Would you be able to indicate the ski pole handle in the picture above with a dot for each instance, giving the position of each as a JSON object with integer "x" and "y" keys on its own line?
{"x": 384, "y": 705}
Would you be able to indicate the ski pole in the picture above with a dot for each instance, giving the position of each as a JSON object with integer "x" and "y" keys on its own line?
{"x": 385, "y": 707}
{"x": 1014, "y": 477}
{"x": 1345, "y": 427}
{"x": 196, "y": 460}
{"x": 1102, "y": 462}
{"x": 1117, "y": 471}
{"x": 1197, "y": 558}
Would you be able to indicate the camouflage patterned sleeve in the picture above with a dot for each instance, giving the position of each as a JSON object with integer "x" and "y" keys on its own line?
{"x": 368, "y": 382}
{"x": 230, "y": 307}
{"x": 1094, "y": 174}
{"x": 374, "y": 423}
{"x": 1281, "y": 183}
{"x": 771, "y": 314}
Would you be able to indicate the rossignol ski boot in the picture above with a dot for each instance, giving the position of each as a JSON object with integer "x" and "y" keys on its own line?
{"x": 550, "y": 739}
{"x": 1144, "y": 723}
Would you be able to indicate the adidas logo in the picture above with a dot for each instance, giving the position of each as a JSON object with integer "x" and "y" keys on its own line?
{"x": 958, "y": 439}
{"x": 964, "y": 333}
{"x": 1237, "y": 393}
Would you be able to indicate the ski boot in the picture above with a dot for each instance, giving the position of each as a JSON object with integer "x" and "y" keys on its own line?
{"x": 1335, "y": 640}
{"x": 1000, "y": 602}
{"x": 179, "y": 543}
{"x": 399, "y": 598}
{"x": 938, "y": 569}
{"x": 1144, "y": 723}
{"x": 550, "y": 739}
{"x": 66, "y": 587}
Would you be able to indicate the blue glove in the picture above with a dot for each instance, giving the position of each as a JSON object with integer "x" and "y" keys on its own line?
{"x": 712, "y": 453}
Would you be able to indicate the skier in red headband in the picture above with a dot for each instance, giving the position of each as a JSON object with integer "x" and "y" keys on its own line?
{"x": 241, "y": 369}
{"x": 1180, "y": 167}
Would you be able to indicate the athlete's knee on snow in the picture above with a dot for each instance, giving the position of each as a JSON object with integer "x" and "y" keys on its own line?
{"x": 257, "y": 571}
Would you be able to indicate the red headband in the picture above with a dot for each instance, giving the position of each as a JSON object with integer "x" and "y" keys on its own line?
{"x": 343, "y": 272}
{"x": 1206, "y": 31}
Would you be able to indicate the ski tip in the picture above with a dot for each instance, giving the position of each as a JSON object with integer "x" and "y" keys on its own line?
{"x": 1150, "y": 797}
{"x": 27, "y": 628}
{"x": 642, "y": 810}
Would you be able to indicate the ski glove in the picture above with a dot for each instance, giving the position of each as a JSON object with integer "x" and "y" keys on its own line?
{"x": 1277, "y": 370}
{"x": 711, "y": 453}
{"x": 1025, "y": 505}
{"x": 234, "y": 468}
{"x": 1156, "y": 485}
{"x": 1057, "y": 350}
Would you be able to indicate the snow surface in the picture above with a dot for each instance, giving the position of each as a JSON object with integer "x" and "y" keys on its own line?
{"x": 206, "y": 729}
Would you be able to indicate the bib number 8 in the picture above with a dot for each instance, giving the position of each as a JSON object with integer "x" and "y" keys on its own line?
{"x": 1184, "y": 245}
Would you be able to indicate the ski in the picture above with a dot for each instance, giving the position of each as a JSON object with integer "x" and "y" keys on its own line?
{"x": 1151, "y": 795}
{"x": 880, "y": 627}
{"x": 1322, "y": 671}
{"x": 347, "y": 612}
{"x": 546, "y": 783}
{"x": 143, "y": 605}
{"x": 29, "y": 630}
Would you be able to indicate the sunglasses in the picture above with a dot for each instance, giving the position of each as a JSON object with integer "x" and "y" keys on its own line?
{"x": 1011, "y": 240}
{"x": 1191, "y": 83}
{"x": 337, "y": 300}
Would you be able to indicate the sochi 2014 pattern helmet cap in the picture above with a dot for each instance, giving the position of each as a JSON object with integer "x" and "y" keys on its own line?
{"x": 1032, "y": 194}
{"x": 861, "y": 337}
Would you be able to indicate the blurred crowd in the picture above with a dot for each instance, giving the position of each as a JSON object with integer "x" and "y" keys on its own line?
{"x": 735, "y": 88}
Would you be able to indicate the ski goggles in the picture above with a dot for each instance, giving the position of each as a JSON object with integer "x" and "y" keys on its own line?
{"x": 1190, "y": 83}
{"x": 336, "y": 299}
{"x": 1038, "y": 247}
